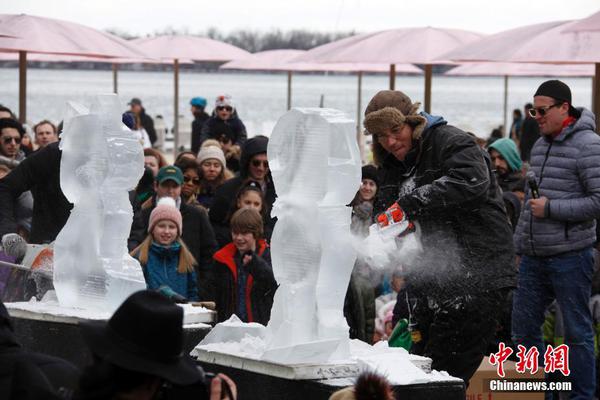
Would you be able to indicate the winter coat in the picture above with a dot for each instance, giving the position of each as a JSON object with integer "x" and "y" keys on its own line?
{"x": 148, "y": 125}
{"x": 199, "y": 120}
{"x": 161, "y": 269}
{"x": 568, "y": 174}
{"x": 530, "y": 133}
{"x": 359, "y": 308}
{"x": 260, "y": 284}
{"x": 234, "y": 128}
{"x": 224, "y": 197}
{"x": 447, "y": 186}
{"x": 511, "y": 182}
{"x": 197, "y": 235}
{"x": 39, "y": 173}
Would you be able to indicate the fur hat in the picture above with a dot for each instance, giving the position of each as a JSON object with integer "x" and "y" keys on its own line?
{"x": 390, "y": 108}
{"x": 209, "y": 152}
{"x": 165, "y": 209}
{"x": 370, "y": 172}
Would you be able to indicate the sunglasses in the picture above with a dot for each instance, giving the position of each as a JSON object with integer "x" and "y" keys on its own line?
{"x": 8, "y": 139}
{"x": 258, "y": 163}
{"x": 195, "y": 181}
{"x": 226, "y": 108}
{"x": 533, "y": 112}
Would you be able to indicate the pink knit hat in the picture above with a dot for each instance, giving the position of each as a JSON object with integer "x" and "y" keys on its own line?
{"x": 165, "y": 209}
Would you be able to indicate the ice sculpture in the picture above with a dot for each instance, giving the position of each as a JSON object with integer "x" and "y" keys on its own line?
{"x": 315, "y": 163}
{"x": 100, "y": 162}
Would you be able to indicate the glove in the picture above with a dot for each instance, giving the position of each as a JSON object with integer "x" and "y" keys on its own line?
{"x": 14, "y": 246}
{"x": 391, "y": 216}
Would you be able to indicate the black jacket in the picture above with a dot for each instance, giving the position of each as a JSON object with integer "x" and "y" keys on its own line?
{"x": 197, "y": 124}
{"x": 39, "y": 173}
{"x": 511, "y": 182}
{"x": 234, "y": 128}
{"x": 530, "y": 133}
{"x": 260, "y": 286}
{"x": 197, "y": 234}
{"x": 447, "y": 186}
{"x": 148, "y": 125}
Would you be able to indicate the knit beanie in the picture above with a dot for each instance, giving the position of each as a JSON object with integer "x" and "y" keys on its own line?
{"x": 209, "y": 152}
{"x": 508, "y": 149}
{"x": 389, "y": 108}
{"x": 223, "y": 101}
{"x": 370, "y": 172}
{"x": 166, "y": 209}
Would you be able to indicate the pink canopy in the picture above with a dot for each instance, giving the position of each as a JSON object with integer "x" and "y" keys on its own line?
{"x": 521, "y": 69}
{"x": 405, "y": 45}
{"x": 45, "y": 35}
{"x": 591, "y": 23}
{"x": 172, "y": 47}
{"x": 282, "y": 60}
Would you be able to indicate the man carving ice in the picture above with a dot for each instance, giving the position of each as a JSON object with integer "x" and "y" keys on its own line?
{"x": 436, "y": 176}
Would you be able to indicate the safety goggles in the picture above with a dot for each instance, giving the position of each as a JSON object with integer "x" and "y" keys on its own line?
{"x": 258, "y": 163}
{"x": 533, "y": 112}
{"x": 8, "y": 139}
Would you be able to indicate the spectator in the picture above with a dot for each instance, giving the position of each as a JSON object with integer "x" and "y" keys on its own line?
{"x": 200, "y": 117}
{"x": 495, "y": 135}
{"x": 436, "y": 176}
{"x": 23, "y": 210}
{"x": 138, "y": 131}
{"x": 45, "y": 133}
{"x": 11, "y": 134}
{"x": 507, "y": 166}
{"x": 224, "y": 120}
{"x": 165, "y": 259}
{"x": 254, "y": 166}
{"x": 28, "y": 375}
{"x": 191, "y": 181}
{"x": 530, "y": 133}
{"x": 143, "y": 120}
{"x": 232, "y": 153}
{"x": 154, "y": 160}
{"x": 138, "y": 354}
{"x": 362, "y": 204}
{"x": 213, "y": 173}
{"x": 197, "y": 233}
{"x": 556, "y": 231}
{"x": 515, "y": 126}
{"x": 243, "y": 280}
{"x": 368, "y": 386}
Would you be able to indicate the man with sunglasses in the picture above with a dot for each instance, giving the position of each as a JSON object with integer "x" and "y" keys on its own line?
{"x": 11, "y": 134}
{"x": 224, "y": 119}
{"x": 556, "y": 231}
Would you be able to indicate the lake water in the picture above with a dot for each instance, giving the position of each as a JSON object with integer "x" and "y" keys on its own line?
{"x": 473, "y": 104}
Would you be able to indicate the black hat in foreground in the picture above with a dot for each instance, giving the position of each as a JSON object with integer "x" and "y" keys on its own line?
{"x": 145, "y": 334}
{"x": 558, "y": 90}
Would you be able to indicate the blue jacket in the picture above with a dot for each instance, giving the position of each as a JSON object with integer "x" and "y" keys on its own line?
{"x": 161, "y": 269}
{"x": 567, "y": 169}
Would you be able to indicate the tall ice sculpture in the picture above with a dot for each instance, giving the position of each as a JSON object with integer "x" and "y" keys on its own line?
{"x": 101, "y": 161}
{"x": 316, "y": 168}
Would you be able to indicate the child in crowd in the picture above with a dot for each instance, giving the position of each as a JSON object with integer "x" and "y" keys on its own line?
{"x": 165, "y": 259}
{"x": 242, "y": 276}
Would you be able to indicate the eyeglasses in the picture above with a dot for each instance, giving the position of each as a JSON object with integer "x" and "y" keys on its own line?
{"x": 533, "y": 112}
{"x": 258, "y": 163}
{"x": 8, "y": 139}
{"x": 195, "y": 181}
{"x": 226, "y": 108}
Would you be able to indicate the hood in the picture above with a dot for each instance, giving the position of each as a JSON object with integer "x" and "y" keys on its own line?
{"x": 508, "y": 150}
{"x": 250, "y": 148}
{"x": 586, "y": 122}
{"x": 432, "y": 121}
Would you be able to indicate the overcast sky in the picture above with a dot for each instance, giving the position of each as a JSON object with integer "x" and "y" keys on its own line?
{"x": 142, "y": 17}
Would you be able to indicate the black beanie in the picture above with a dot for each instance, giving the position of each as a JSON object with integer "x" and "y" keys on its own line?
{"x": 370, "y": 172}
{"x": 556, "y": 89}
{"x": 11, "y": 123}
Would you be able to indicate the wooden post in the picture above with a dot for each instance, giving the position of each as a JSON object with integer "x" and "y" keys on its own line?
{"x": 505, "y": 120}
{"x": 359, "y": 136}
{"x": 176, "y": 107}
{"x": 22, "y": 87}
{"x": 289, "y": 90}
{"x": 392, "y": 76}
{"x": 596, "y": 94}
{"x": 115, "y": 78}
{"x": 427, "y": 97}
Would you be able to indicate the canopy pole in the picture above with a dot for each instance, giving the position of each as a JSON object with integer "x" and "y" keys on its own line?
{"x": 505, "y": 120}
{"x": 392, "y": 76}
{"x": 176, "y": 107}
{"x": 22, "y": 86}
{"x": 596, "y": 93}
{"x": 427, "y": 98}
{"x": 289, "y": 90}
{"x": 115, "y": 78}
{"x": 359, "y": 136}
